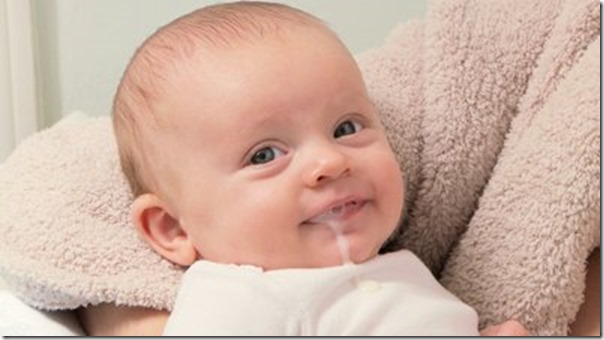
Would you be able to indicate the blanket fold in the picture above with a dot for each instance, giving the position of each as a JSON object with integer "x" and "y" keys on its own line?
{"x": 544, "y": 216}
{"x": 505, "y": 95}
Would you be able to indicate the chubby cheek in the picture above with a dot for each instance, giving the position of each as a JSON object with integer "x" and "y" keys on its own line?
{"x": 390, "y": 188}
{"x": 254, "y": 212}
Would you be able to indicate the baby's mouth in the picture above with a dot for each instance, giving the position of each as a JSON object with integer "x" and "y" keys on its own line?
{"x": 339, "y": 212}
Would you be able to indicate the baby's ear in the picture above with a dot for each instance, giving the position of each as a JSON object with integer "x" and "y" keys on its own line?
{"x": 162, "y": 231}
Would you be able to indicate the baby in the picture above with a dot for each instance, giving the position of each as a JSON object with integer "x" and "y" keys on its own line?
{"x": 258, "y": 161}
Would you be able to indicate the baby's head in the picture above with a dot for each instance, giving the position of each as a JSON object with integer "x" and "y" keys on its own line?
{"x": 246, "y": 133}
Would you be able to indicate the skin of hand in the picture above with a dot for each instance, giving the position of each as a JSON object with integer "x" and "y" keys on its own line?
{"x": 508, "y": 328}
{"x": 111, "y": 320}
{"x": 587, "y": 322}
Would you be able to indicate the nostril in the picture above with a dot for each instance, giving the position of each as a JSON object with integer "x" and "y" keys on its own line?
{"x": 323, "y": 178}
{"x": 324, "y": 169}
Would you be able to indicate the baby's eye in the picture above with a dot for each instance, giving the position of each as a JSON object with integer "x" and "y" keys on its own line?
{"x": 265, "y": 155}
{"x": 347, "y": 128}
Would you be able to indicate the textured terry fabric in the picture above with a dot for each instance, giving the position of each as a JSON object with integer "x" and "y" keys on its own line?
{"x": 492, "y": 108}
{"x": 539, "y": 216}
{"x": 65, "y": 232}
{"x": 393, "y": 294}
{"x": 511, "y": 86}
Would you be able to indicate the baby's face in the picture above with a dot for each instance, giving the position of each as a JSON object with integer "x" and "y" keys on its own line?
{"x": 272, "y": 144}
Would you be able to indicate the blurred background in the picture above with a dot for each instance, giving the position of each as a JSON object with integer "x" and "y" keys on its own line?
{"x": 60, "y": 56}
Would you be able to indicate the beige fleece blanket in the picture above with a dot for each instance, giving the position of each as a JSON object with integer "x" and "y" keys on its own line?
{"x": 495, "y": 107}
{"x": 493, "y": 110}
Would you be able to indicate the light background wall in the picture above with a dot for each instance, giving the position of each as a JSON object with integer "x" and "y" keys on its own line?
{"x": 84, "y": 45}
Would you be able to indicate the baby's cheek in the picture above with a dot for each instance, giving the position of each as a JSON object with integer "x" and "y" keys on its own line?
{"x": 393, "y": 186}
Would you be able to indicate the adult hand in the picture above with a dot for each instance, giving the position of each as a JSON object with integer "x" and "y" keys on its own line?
{"x": 111, "y": 320}
{"x": 508, "y": 328}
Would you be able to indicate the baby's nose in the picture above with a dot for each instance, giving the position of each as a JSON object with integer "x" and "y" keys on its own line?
{"x": 327, "y": 164}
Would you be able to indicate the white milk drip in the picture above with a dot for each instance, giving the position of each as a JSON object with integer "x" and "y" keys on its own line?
{"x": 342, "y": 241}
{"x": 344, "y": 248}
{"x": 333, "y": 219}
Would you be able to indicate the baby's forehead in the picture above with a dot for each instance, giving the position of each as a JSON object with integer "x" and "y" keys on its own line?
{"x": 183, "y": 60}
{"x": 178, "y": 45}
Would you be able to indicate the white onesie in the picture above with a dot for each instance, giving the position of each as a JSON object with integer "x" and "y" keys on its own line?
{"x": 392, "y": 294}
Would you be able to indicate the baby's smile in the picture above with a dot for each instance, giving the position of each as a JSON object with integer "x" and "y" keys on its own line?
{"x": 339, "y": 211}
{"x": 335, "y": 216}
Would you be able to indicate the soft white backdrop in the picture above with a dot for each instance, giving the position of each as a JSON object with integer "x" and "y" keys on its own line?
{"x": 59, "y": 56}
{"x": 18, "y": 98}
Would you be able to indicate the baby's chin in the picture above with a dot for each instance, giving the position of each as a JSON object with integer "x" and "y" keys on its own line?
{"x": 350, "y": 250}
{"x": 326, "y": 258}
{"x": 362, "y": 254}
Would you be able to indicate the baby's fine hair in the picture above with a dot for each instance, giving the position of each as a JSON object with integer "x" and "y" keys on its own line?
{"x": 142, "y": 84}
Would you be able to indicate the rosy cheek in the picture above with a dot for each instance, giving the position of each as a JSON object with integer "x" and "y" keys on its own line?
{"x": 393, "y": 183}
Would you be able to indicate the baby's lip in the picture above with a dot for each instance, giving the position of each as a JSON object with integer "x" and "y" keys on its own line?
{"x": 337, "y": 211}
